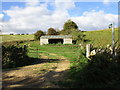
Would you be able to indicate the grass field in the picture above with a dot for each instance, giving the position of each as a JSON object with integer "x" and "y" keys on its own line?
{"x": 98, "y": 38}
{"x": 69, "y": 52}
{"x": 7, "y": 38}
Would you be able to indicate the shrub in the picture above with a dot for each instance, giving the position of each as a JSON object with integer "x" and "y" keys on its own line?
{"x": 22, "y": 34}
{"x": 13, "y": 56}
{"x": 38, "y": 34}
{"x": 100, "y": 72}
{"x": 11, "y": 34}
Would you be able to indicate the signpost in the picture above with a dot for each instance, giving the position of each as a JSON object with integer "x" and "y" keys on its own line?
{"x": 113, "y": 39}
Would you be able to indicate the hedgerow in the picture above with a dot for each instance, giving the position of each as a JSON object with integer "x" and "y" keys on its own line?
{"x": 13, "y": 56}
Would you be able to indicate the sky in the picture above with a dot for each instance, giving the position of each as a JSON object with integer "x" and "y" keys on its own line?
{"x": 28, "y": 17}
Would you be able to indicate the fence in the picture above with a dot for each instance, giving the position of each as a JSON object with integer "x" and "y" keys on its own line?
{"x": 90, "y": 52}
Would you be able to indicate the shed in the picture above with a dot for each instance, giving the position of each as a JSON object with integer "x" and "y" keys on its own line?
{"x": 64, "y": 39}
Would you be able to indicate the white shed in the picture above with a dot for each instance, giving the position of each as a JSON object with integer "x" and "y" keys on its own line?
{"x": 64, "y": 39}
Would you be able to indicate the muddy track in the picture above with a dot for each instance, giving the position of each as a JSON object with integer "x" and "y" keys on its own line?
{"x": 41, "y": 75}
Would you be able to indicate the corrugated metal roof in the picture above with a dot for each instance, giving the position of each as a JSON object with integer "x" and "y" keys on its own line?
{"x": 55, "y": 36}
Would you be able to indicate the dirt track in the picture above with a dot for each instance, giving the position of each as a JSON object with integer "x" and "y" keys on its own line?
{"x": 48, "y": 74}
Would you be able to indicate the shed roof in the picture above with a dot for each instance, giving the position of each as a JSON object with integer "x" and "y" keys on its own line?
{"x": 55, "y": 36}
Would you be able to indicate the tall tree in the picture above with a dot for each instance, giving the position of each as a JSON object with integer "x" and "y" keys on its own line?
{"x": 68, "y": 27}
{"x": 52, "y": 31}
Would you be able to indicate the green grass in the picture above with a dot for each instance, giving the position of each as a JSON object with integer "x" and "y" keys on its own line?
{"x": 7, "y": 38}
{"x": 81, "y": 71}
{"x": 67, "y": 51}
{"x": 100, "y": 38}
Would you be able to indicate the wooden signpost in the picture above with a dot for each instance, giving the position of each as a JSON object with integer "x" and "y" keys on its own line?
{"x": 113, "y": 39}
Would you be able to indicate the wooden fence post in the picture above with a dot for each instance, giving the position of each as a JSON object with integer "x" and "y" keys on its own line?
{"x": 88, "y": 50}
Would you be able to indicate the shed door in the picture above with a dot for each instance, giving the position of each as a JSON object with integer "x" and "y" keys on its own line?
{"x": 55, "y": 41}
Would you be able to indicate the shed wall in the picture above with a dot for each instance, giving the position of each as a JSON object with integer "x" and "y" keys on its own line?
{"x": 43, "y": 41}
{"x": 67, "y": 41}
{"x": 47, "y": 40}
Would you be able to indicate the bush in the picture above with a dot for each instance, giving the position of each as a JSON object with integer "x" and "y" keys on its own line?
{"x": 13, "y": 56}
{"x": 100, "y": 72}
{"x": 22, "y": 34}
{"x": 38, "y": 34}
{"x": 11, "y": 34}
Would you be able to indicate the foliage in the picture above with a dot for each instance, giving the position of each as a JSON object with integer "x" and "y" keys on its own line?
{"x": 38, "y": 34}
{"x": 77, "y": 36}
{"x": 71, "y": 28}
{"x": 11, "y": 34}
{"x": 100, "y": 72}
{"x": 22, "y": 34}
{"x": 68, "y": 27}
{"x": 52, "y": 31}
{"x": 13, "y": 56}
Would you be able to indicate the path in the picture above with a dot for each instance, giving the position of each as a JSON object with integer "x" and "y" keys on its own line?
{"x": 41, "y": 75}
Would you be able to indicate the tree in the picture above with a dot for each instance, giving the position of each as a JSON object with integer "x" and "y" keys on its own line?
{"x": 38, "y": 34}
{"x": 11, "y": 34}
{"x": 64, "y": 32}
{"x": 68, "y": 27}
{"x": 77, "y": 36}
{"x": 71, "y": 28}
{"x": 52, "y": 31}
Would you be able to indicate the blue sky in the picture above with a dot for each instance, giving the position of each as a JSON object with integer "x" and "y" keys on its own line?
{"x": 78, "y": 11}
{"x": 88, "y": 6}
{"x": 72, "y": 10}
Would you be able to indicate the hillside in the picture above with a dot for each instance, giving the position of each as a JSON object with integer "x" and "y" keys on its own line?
{"x": 97, "y": 38}
{"x": 7, "y": 38}
{"x": 100, "y": 37}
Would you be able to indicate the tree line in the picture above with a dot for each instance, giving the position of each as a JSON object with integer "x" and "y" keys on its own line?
{"x": 69, "y": 28}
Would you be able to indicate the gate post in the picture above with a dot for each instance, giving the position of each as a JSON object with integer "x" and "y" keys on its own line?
{"x": 88, "y": 50}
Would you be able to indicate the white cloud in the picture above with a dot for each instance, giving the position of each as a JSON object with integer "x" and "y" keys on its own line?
{"x": 95, "y": 20}
{"x": 37, "y": 16}
{"x": 32, "y": 2}
{"x": 64, "y": 5}
{"x": 106, "y": 2}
